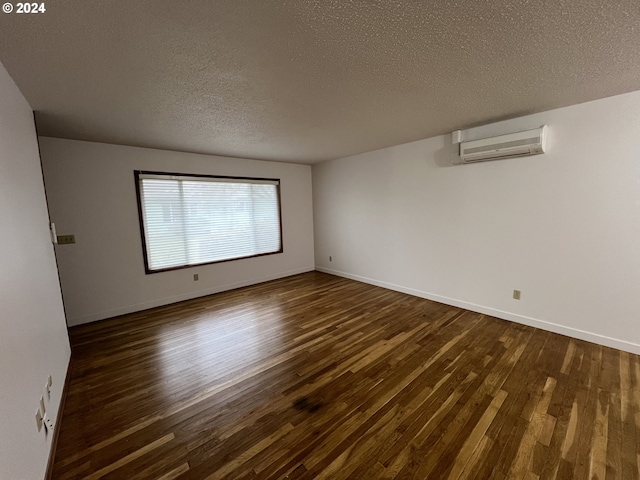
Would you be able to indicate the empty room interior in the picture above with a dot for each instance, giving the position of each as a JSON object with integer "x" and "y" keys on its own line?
{"x": 320, "y": 239}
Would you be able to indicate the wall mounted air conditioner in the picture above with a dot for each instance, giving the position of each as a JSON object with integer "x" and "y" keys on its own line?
{"x": 519, "y": 144}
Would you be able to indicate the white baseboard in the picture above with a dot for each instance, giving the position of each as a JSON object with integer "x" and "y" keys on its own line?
{"x": 179, "y": 298}
{"x": 513, "y": 317}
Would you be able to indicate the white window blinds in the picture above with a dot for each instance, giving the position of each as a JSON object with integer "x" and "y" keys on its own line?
{"x": 190, "y": 220}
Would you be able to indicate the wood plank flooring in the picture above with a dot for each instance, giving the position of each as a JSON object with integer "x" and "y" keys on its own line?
{"x": 319, "y": 377}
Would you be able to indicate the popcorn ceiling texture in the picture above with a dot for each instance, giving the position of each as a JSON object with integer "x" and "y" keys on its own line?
{"x": 310, "y": 80}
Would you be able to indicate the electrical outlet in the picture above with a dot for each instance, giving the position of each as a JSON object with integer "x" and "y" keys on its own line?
{"x": 195, "y": 277}
{"x": 47, "y": 387}
{"x": 39, "y": 419}
{"x": 516, "y": 294}
{"x": 48, "y": 423}
{"x": 66, "y": 239}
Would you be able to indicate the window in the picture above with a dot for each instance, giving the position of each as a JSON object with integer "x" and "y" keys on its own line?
{"x": 191, "y": 220}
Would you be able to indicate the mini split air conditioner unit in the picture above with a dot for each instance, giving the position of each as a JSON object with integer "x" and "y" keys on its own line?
{"x": 519, "y": 144}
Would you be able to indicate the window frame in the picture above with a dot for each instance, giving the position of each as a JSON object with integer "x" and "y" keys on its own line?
{"x": 195, "y": 176}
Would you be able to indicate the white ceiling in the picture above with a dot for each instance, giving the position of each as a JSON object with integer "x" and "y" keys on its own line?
{"x": 310, "y": 80}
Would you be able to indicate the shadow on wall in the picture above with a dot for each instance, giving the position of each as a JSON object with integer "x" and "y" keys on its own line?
{"x": 445, "y": 156}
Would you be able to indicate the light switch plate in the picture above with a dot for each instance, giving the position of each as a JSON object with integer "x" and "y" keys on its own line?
{"x": 39, "y": 419}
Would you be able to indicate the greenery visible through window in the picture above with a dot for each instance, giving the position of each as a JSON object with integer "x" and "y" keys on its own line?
{"x": 192, "y": 220}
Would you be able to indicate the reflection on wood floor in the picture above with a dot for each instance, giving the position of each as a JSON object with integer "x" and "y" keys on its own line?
{"x": 316, "y": 376}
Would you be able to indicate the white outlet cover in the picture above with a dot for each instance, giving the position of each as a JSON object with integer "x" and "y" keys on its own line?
{"x": 48, "y": 423}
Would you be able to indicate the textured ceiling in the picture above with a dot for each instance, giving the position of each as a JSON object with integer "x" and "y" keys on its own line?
{"x": 310, "y": 80}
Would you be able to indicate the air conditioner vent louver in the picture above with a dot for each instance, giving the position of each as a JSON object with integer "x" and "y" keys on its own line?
{"x": 519, "y": 144}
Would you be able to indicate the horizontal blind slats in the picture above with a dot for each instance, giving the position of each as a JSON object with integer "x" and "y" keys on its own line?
{"x": 164, "y": 176}
{"x": 188, "y": 221}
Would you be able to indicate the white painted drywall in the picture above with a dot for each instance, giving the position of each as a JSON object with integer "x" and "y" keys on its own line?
{"x": 564, "y": 227}
{"x": 91, "y": 193}
{"x": 33, "y": 333}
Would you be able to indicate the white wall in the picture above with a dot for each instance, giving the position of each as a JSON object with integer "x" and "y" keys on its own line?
{"x": 33, "y": 334}
{"x": 564, "y": 227}
{"x": 91, "y": 193}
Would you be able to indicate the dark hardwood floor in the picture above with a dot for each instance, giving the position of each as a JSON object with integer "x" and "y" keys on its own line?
{"x": 316, "y": 376}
